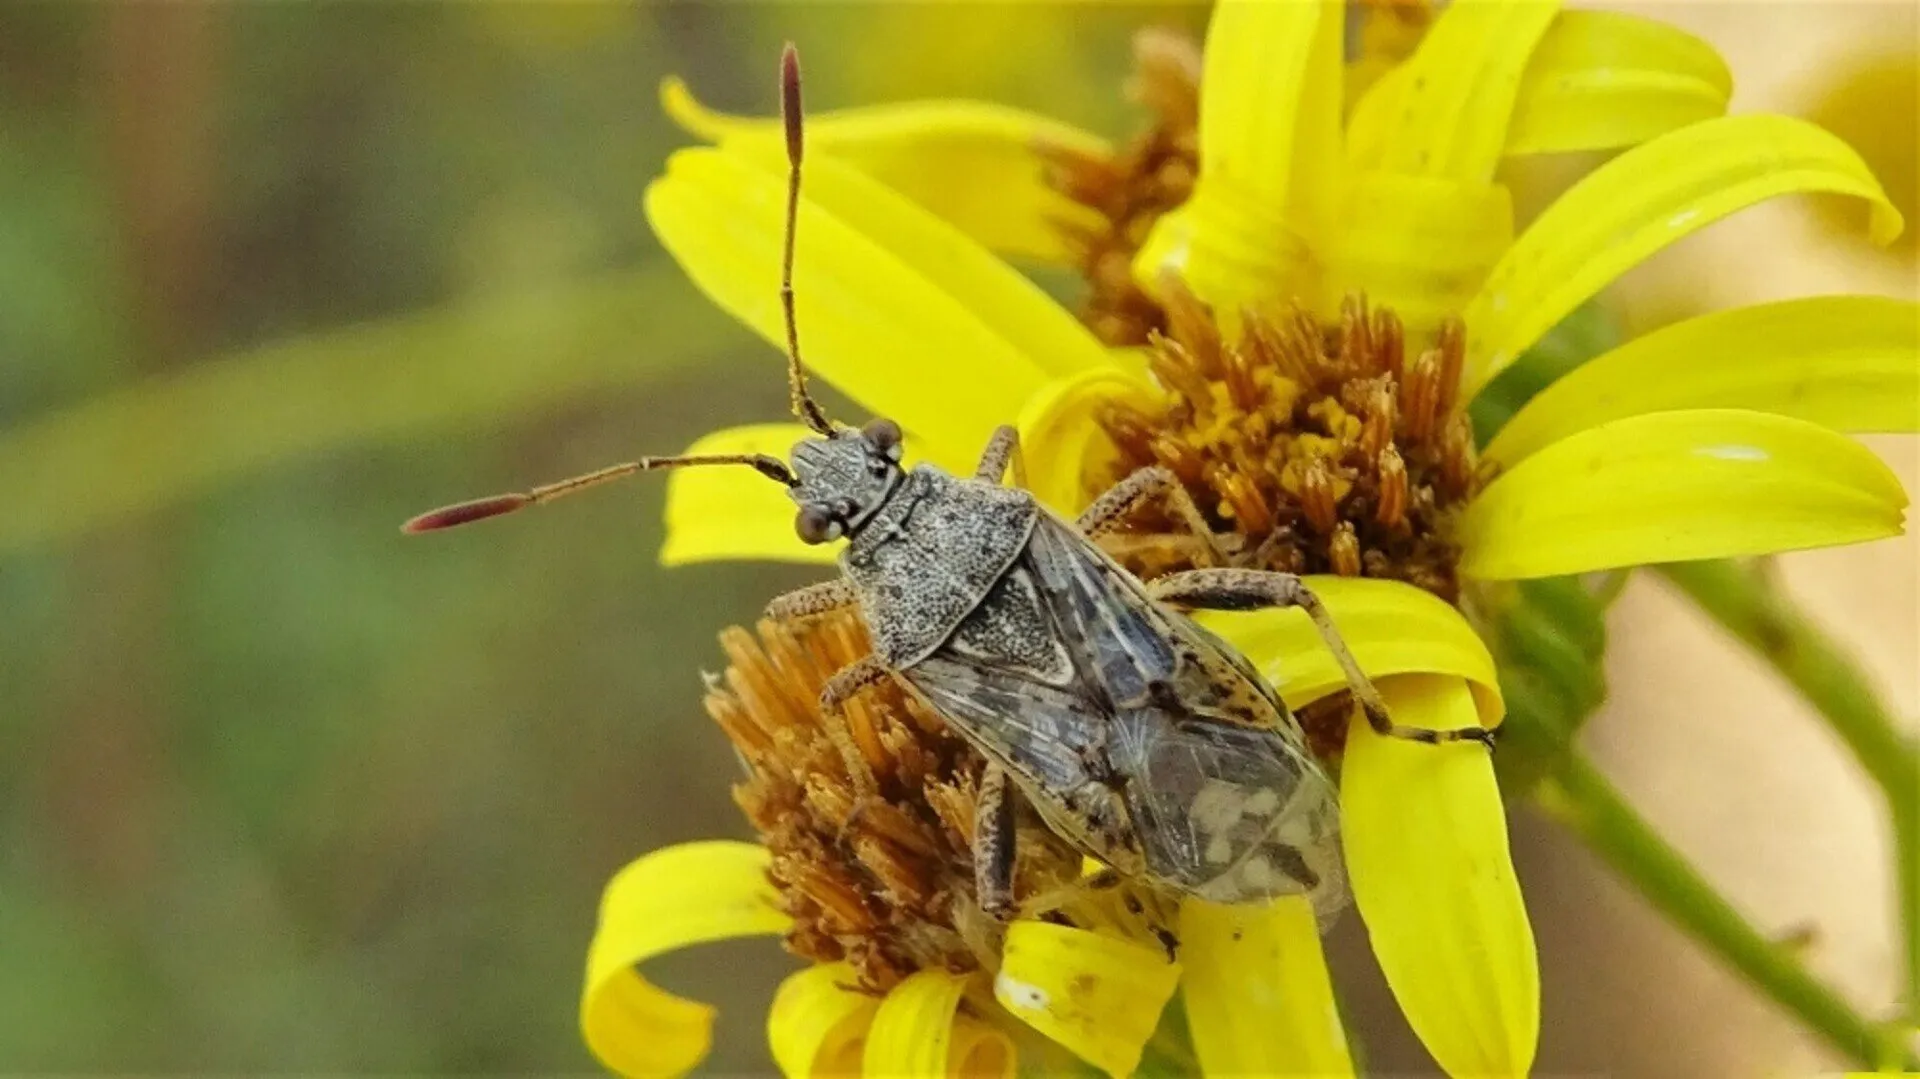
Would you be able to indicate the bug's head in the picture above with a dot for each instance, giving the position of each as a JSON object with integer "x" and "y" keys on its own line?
{"x": 843, "y": 477}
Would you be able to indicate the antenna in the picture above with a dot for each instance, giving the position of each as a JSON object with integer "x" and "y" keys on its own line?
{"x": 804, "y": 406}
{"x": 480, "y": 509}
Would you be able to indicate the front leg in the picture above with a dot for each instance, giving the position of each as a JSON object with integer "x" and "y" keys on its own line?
{"x": 1252, "y": 589}
{"x": 993, "y": 843}
{"x": 814, "y": 601}
{"x": 1003, "y": 449}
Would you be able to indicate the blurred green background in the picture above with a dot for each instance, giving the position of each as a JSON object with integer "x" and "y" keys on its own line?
{"x": 282, "y": 791}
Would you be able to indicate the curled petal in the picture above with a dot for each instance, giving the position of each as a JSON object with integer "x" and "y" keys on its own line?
{"x": 1269, "y": 127}
{"x": 1099, "y": 996}
{"x": 1060, "y": 438}
{"x": 1258, "y": 998}
{"x": 1678, "y": 486}
{"x": 1601, "y": 79}
{"x": 726, "y": 512}
{"x": 896, "y": 308}
{"x": 1392, "y": 628}
{"x": 1426, "y": 847}
{"x": 689, "y": 894}
{"x": 1851, "y": 363}
{"x": 1643, "y": 200}
{"x": 976, "y": 165}
{"x": 1456, "y": 97}
{"x": 1596, "y": 80}
{"x": 917, "y": 1033}
{"x": 816, "y": 1026}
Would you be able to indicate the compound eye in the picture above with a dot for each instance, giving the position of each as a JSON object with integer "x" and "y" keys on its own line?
{"x": 816, "y": 525}
{"x": 885, "y": 435}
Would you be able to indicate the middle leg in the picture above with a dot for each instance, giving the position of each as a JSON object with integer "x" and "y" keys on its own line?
{"x": 1253, "y": 589}
{"x": 1150, "y": 484}
{"x": 993, "y": 843}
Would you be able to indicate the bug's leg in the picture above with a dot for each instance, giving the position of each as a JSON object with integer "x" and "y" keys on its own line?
{"x": 1252, "y": 589}
{"x": 1003, "y": 449}
{"x": 814, "y": 600}
{"x": 993, "y": 843}
{"x": 1150, "y": 484}
{"x": 846, "y": 683}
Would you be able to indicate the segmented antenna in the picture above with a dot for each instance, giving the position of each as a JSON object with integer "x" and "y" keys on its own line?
{"x": 804, "y": 406}
{"x": 480, "y": 509}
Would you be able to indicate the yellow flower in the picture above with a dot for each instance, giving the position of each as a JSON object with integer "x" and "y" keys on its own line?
{"x": 1714, "y": 437}
{"x": 865, "y": 868}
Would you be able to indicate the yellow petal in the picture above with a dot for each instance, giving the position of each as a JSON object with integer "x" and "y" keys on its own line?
{"x": 1601, "y": 79}
{"x": 1851, "y": 363}
{"x": 689, "y": 894}
{"x": 1099, "y": 996}
{"x": 1002, "y": 298}
{"x": 1640, "y": 202}
{"x": 1420, "y": 245}
{"x": 975, "y": 165}
{"x": 1258, "y": 998}
{"x": 916, "y": 1033}
{"x": 909, "y": 318}
{"x": 1269, "y": 135}
{"x": 1678, "y": 486}
{"x": 816, "y": 1027}
{"x": 1458, "y": 91}
{"x": 1060, "y": 438}
{"x": 732, "y": 512}
{"x": 1392, "y": 628}
{"x": 1426, "y": 847}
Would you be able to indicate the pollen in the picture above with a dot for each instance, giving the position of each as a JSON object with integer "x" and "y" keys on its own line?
{"x": 868, "y": 818}
{"x": 1314, "y": 446}
{"x": 1130, "y": 188}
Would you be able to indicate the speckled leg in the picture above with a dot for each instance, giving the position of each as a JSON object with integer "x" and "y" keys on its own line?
{"x": 1150, "y": 484}
{"x": 848, "y": 682}
{"x": 993, "y": 841}
{"x": 1253, "y": 589}
{"x": 813, "y": 601}
{"x": 1003, "y": 449}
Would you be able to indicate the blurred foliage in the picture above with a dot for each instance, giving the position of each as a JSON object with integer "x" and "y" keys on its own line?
{"x": 280, "y": 790}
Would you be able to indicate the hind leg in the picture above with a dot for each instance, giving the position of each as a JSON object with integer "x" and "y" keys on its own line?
{"x": 1253, "y": 589}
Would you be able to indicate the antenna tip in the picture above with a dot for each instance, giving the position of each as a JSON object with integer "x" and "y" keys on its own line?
{"x": 790, "y": 99}
{"x": 461, "y": 513}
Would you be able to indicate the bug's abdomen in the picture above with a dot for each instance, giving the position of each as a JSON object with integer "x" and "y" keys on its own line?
{"x": 1230, "y": 813}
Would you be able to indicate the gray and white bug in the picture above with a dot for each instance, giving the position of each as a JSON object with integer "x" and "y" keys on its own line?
{"x": 1135, "y": 733}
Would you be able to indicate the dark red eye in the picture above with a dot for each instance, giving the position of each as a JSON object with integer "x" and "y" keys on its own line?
{"x": 815, "y": 525}
{"x": 883, "y": 433}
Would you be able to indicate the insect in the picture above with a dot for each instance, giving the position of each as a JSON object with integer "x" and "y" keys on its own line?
{"x": 1144, "y": 739}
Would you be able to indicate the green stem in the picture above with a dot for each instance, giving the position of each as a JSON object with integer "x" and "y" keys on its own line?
{"x": 1745, "y": 603}
{"x": 1584, "y": 801}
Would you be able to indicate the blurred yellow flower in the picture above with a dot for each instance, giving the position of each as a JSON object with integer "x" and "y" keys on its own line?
{"x": 1338, "y": 426}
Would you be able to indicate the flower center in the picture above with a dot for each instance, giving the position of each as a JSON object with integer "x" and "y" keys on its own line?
{"x": 869, "y": 817}
{"x": 1315, "y": 447}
